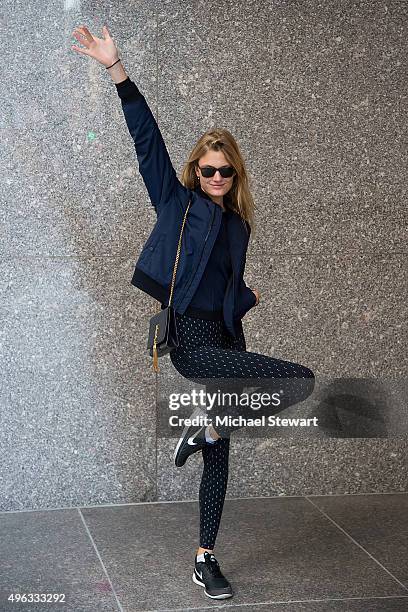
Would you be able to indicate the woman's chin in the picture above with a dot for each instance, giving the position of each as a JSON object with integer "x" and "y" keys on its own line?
{"x": 216, "y": 191}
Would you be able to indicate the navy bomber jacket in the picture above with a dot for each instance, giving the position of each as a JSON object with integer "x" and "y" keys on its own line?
{"x": 154, "y": 267}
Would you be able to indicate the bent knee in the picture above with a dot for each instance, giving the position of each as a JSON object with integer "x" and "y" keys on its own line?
{"x": 309, "y": 385}
{"x": 307, "y": 372}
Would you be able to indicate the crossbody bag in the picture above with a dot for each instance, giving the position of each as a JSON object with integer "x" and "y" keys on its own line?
{"x": 163, "y": 336}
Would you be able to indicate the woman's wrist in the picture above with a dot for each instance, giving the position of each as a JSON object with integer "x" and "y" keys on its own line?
{"x": 117, "y": 72}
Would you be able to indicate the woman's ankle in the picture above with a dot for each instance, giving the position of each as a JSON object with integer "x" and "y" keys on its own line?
{"x": 201, "y": 550}
{"x": 213, "y": 433}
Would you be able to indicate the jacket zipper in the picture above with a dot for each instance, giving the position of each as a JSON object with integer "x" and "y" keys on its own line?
{"x": 233, "y": 296}
{"x": 202, "y": 251}
{"x": 208, "y": 233}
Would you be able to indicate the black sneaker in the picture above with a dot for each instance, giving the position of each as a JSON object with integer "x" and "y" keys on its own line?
{"x": 208, "y": 575}
{"x": 192, "y": 439}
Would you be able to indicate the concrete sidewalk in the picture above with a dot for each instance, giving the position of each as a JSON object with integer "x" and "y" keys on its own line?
{"x": 314, "y": 554}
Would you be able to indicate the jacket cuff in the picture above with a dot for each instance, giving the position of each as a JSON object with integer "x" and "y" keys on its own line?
{"x": 127, "y": 90}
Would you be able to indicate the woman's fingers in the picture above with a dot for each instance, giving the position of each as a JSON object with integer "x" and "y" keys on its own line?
{"x": 83, "y": 38}
{"x": 80, "y": 50}
{"x": 82, "y": 41}
{"x": 257, "y": 295}
{"x": 102, "y": 50}
{"x": 86, "y": 33}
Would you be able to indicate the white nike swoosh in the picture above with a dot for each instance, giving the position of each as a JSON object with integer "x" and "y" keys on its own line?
{"x": 200, "y": 574}
{"x": 191, "y": 443}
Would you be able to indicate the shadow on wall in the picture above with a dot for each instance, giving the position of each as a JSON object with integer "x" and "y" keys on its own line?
{"x": 362, "y": 408}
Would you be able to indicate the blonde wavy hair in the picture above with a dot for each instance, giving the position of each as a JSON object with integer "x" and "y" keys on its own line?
{"x": 239, "y": 197}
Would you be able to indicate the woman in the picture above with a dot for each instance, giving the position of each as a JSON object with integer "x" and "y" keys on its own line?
{"x": 210, "y": 295}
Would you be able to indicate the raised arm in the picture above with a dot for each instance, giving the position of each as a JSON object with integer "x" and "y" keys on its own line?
{"x": 155, "y": 165}
{"x": 154, "y": 162}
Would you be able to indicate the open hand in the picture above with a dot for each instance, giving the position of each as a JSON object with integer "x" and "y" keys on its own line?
{"x": 102, "y": 50}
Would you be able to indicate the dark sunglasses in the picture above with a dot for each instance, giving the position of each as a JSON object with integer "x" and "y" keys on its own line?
{"x": 209, "y": 171}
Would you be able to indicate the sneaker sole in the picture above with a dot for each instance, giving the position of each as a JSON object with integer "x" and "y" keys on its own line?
{"x": 196, "y": 412}
{"x": 222, "y": 596}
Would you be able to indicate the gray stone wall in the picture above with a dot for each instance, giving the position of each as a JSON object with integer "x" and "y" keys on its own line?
{"x": 315, "y": 94}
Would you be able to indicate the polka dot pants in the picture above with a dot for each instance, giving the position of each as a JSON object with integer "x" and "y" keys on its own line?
{"x": 206, "y": 351}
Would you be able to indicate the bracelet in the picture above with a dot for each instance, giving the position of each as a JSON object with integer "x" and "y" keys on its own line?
{"x": 107, "y": 67}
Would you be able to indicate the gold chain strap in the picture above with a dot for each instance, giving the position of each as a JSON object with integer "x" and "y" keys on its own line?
{"x": 177, "y": 256}
{"x": 155, "y": 354}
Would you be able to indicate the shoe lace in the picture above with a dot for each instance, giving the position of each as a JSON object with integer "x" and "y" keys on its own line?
{"x": 213, "y": 566}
